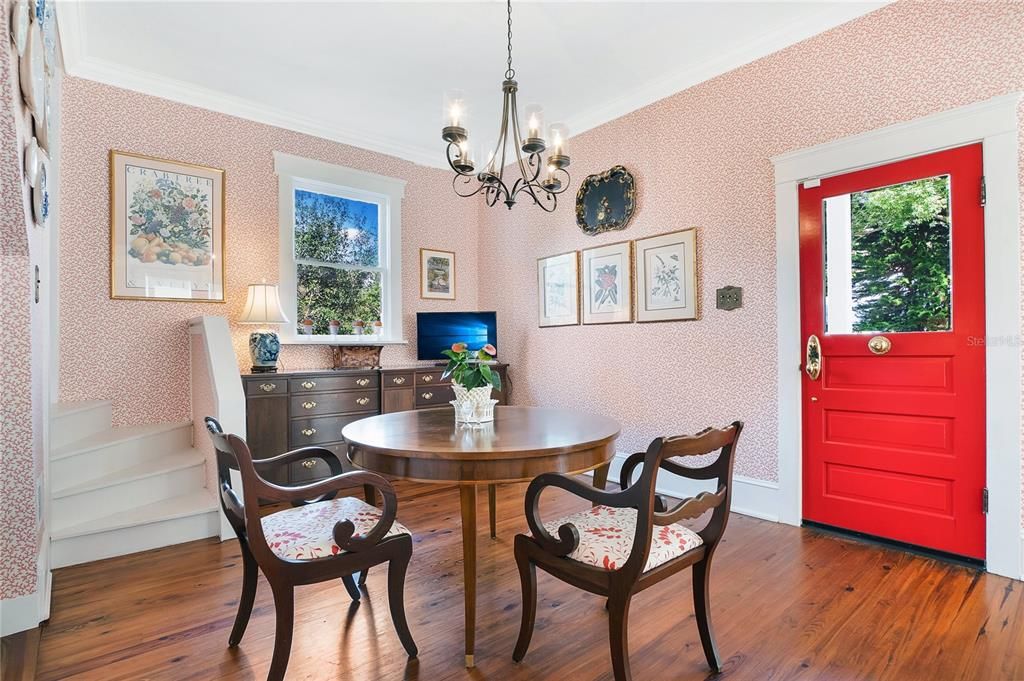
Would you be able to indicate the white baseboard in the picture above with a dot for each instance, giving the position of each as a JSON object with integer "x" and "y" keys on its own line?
{"x": 19, "y": 614}
{"x": 751, "y": 497}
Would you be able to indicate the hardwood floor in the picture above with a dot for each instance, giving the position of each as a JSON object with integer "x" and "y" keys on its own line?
{"x": 786, "y": 603}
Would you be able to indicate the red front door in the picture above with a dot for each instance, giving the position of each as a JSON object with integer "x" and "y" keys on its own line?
{"x": 893, "y": 318}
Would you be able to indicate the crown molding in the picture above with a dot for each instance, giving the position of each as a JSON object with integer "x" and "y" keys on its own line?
{"x": 686, "y": 77}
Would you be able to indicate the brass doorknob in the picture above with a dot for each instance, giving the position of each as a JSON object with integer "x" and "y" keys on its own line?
{"x": 812, "y": 359}
{"x": 879, "y": 345}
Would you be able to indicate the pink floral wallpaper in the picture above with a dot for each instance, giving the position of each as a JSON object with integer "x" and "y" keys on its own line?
{"x": 136, "y": 353}
{"x": 702, "y": 159}
{"x": 19, "y": 413}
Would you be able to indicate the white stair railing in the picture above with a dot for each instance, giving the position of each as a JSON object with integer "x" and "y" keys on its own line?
{"x": 216, "y": 391}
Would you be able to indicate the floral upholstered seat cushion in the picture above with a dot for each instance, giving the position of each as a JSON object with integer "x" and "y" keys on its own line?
{"x": 606, "y": 538}
{"x": 307, "y": 532}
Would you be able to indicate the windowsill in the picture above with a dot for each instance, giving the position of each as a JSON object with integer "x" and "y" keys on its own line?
{"x": 339, "y": 340}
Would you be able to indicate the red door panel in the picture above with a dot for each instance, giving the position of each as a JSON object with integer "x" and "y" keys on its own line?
{"x": 894, "y": 443}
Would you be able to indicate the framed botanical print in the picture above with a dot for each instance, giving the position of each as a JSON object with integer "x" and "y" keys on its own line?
{"x": 607, "y": 275}
{"x": 558, "y": 290}
{"x": 437, "y": 274}
{"x": 166, "y": 229}
{"x": 666, "y": 276}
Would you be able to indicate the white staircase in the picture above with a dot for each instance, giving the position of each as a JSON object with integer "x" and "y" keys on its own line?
{"x": 121, "y": 490}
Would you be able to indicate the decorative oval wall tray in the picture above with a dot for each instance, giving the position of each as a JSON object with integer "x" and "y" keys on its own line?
{"x": 605, "y": 202}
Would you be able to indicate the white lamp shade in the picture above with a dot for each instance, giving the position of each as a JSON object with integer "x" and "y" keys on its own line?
{"x": 263, "y": 306}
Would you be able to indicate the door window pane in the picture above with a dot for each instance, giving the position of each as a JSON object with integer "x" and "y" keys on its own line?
{"x": 888, "y": 262}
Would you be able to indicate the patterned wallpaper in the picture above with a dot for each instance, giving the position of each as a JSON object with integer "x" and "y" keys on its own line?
{"x": 19, "y": 414}
{"x": 701, "y": 158}
{"x": 136, "y": 353}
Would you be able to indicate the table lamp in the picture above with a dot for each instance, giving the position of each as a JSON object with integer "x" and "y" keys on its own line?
{"x": 263, "y": 307}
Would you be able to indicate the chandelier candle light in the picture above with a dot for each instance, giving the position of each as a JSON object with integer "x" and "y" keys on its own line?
{"x": 490, "y": 180}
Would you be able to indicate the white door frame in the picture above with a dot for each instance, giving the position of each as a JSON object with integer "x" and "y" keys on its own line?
{"x": 994, "y": 123}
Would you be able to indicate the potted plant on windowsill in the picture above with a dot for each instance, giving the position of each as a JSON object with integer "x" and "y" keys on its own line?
{"x": 472, "y": 381}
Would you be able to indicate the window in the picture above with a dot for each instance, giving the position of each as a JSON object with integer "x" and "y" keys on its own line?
{"x": 340, "y": 247}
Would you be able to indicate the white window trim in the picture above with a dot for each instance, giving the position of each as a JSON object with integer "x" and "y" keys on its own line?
{"x": 304, "y": 173}
{"x": 994, "y": 123}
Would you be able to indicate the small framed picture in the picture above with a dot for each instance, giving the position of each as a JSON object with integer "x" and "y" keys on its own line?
{"x": 666, "y": 276}
{"x": 558, "y": 290}
{"x": 166, "y": 230}
{"x": 607, "y": 274}
{"x": 437, "y": 274}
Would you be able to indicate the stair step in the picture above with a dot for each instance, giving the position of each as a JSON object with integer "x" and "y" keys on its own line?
{"x": 165, "y": 509}
{"x": 170, "y": 521}
{"x": 72, "y": 421}
{"x": 122, "y": 490}
{"x": 173, "y": 462}
{"x": 102, "y": 454}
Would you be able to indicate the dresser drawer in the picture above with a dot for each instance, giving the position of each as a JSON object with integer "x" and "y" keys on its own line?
{"x": 397, "y": 380}
{"x": 334, "y": 403}
{"x": 317, "y": 430}
{"x": 430, "y": 378}
{"x": 266, "y": 386}
{"x": 328, "y": 383}
{"x": 434, "y": 396}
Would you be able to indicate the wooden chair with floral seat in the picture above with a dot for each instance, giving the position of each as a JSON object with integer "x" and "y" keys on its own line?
{"x": 629, "y": 540}
{"x": 319, "y": 539}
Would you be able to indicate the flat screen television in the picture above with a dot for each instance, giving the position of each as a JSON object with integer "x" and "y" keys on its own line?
{"x": 437, "y": 331}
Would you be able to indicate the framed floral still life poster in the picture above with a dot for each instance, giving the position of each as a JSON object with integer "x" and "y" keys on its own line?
{"x": 437, "y": 274}
{"x": 608, "y": 284}
{"x": 666, "y": 277}
{"x": 558, "y": 291}
{"x": 166, "y": 230}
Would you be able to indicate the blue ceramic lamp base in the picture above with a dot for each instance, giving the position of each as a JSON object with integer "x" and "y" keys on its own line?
{"x": 264, "y": 347}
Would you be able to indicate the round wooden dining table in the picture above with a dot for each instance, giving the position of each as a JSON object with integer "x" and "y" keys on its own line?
{"x": 427, "y": 445}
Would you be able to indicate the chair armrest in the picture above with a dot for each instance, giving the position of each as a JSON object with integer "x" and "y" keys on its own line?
{"x": 568, "y": 535}
{"x": 345, "y": 529}
{"x": 327, "y": 456}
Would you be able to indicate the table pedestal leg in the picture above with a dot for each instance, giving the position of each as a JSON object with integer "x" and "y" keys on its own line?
{"x": 601, "y": 476}
{"x": 467, "y": 494}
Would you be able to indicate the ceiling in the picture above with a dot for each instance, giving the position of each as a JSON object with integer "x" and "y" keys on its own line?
{"x": 373, "y": 74}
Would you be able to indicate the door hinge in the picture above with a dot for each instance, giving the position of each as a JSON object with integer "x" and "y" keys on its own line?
{"x": 984, "y": 191}
{"x": 984, "y": 500}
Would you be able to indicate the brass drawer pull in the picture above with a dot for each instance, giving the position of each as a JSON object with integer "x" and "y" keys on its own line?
{"x": 426, "y": 396}
{"x": 308, "y": 405}
{"x": 428, "y": 378}
{"x": 308, "y": 385}
{"x": 268, "y": 387}
{"x": 363, "y": 401}
{"x": 308, "y": 431}
{"x": 398, "y": 380}
{"x": 308, "y": 463}
{"x": 362, "y": 381}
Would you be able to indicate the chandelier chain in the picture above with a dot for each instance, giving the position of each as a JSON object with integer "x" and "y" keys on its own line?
{"x": 511, "y": 72}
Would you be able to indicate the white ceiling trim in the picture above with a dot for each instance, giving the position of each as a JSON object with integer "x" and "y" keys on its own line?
{"x": 686, "y": 77}
{"x": 80, "y": 64}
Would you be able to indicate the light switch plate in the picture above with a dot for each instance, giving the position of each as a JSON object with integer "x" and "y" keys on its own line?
{"x": 729, "y": 298}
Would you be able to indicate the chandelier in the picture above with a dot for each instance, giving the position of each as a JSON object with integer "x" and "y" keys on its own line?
{"x": 490, "y": 180}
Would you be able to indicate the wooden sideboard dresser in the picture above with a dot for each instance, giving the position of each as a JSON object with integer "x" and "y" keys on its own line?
{"x": 292, "y": 409}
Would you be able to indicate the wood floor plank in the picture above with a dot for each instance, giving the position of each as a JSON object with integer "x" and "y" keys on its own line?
{"x": 787, "y": 603}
